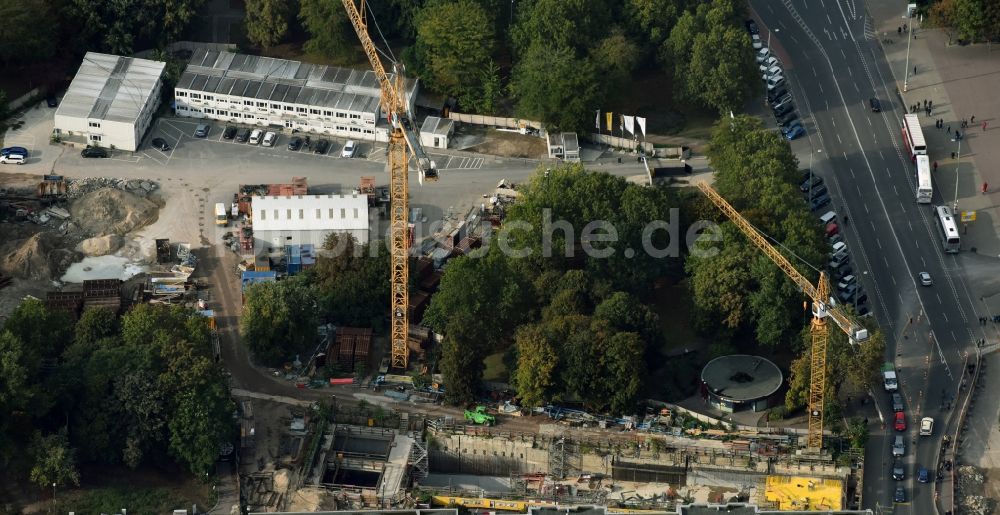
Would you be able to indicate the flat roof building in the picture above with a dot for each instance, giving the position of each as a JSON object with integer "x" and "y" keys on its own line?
{"x": 279, "y": 93}
{"x": 110, "y": 102}
{"x": 564, "y": 145}
{"x": 737, "y": 382}
{"x": 279, "y": 221}
{"x": 435, "y": 131}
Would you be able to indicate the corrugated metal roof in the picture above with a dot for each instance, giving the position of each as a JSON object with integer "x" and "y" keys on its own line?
{"x": 287, "y": 81}
{"x": 110, "y": 87}
{"x": 437, "y": 125}
{"x": 310, "y": 212}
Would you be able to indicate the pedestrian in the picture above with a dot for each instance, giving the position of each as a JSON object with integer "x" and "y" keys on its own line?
{"x": 930, "y": 103}
{"x": 935, "y": 166}
{"x": 973, "y": 118}
{"x": 957, "y": 136}
{"x": 984, "y": 126}
{"x": 986, "y": 187}
{"x": 929, "y": 112}
{"x": 914, "y": 70}
{"x": 899, "y": 30}
{"x": 925, "y": 103}
{"x": 953, "y": 155}
{"x": 949, "y": 129}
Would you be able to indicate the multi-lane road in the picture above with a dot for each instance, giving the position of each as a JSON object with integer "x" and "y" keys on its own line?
{"x": 835, "y": 65}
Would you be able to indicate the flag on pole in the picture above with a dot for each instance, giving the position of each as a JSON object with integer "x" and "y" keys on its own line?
{"x": 597, "y": 121}
{"x": 611, "y": 125}
{"x": 630, "y": 124}
{"x": 621, "y": 124}
{"x": 642, "y": 125}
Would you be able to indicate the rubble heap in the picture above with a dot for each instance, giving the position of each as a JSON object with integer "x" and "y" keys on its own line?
{"x": 80, "y": 187}
{"x": 112, "y": 211}
{"x": 971, "y": 486}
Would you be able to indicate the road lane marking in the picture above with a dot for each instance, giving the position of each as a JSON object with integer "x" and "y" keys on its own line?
{"x": 945, "y": 315}
{"x": 815, "y": 73}
{"x": 879, "y": 242}
{"x": 828, "y": 19}
{"x": 843, "y": 54}
{"x": 938, "y": 295}
{"x": 922, "y": 261}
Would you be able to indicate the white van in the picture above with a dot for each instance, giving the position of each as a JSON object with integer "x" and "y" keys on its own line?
{"x": 15, "y": 159}
{"x": 926, "y": 426}
{"x": 839, "y": 248}
{"x": 763, "y": 54}
{"x": 255, "y": 136}
{"x": 828, "y": 217}
{"x": 269, "y": 139}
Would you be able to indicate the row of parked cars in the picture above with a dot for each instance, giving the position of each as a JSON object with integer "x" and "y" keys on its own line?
{"x": 267, "y": 139}
{"x": 773, "y": 75}
{"x": 13, "y": 155}
{"x": 899, "y": 448}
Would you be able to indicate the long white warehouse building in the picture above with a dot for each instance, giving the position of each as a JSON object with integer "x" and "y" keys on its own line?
{"x": 307, "y": 219}
{"x": 263, "y": 91}
{"x": 110, "y": 102}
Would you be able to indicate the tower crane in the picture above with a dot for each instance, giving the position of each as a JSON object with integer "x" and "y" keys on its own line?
{"x": 404, "y": 142}
{"x": 823, "y": 307}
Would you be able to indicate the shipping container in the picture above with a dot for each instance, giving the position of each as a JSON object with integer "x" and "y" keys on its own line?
{"x": 342, "y": 381}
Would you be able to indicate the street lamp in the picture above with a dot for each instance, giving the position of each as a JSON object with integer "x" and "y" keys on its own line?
{"x": 769, "y": 37}
{"x": 909, "y": 36}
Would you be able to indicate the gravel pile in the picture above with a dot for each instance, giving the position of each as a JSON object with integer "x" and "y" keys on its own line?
{"x": 971, "y": 498}
{"x": 80, "y": 187}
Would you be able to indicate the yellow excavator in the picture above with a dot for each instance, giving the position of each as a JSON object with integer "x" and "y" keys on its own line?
{"x": 823, "y": 307}
{"x": 404, "y": 142}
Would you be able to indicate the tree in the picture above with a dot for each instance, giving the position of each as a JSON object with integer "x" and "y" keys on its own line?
{"x": 352, "y": 282}
{"x": 797, "y": 395}
{"x": 199, "y": 425}
{"x": 722, "y": 68}
{"x": 43, "y": 333}
{"x": 535, "y": 377}
{"x": 625, "y": 313}
{"x": 118, "y": 27}
{"x": 279, "y": 320}
{"x": 454, "y": 42}
{"x": 857, "y": 433}
{"x": 28, "y": 29}
{"x": 553, "y": 85}
{"x": 330, "y": 31}
{"x": 573, "y": 24}
{"x": 94, "y": 325}
{"x": 486, "y": 100}
{"x": 54, "y": 461}
{"x": 625, "y": 367}
{"x": 266, "y": 21}
{"x": 616, "y": 56}
{"x": 651, "y": 19}
{"x": 142, "y": 401}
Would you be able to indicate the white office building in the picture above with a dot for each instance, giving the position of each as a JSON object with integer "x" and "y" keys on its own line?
{"x": 307, "y": 219}
{"x": 262, "y": 91}
{"x": 110, "y": 102}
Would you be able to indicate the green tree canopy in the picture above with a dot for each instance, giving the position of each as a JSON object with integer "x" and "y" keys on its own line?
{"x": 279, "y": 320}
{"x": 330, "y": 31}
{"x": 55, "y": 461}
{"x": 266, "y": 21}
{"x": 556, "y": 87}
{"x": 454, "y": 42}
{"x": 573, "y": 24}
{"x": 352, "y": 282}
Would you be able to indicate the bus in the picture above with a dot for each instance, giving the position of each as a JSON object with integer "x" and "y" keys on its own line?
{"x": 913, "y": 136}
{"x": 948, "y": 229}
{"x": 924, "y": 188}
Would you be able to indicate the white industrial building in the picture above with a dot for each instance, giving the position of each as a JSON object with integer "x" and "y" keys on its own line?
{"x": 435, "y": 131}
{"x": 262, "y": 91}
{"x": 307, "y": 219}
{"x": 564, "y": 145}
{"x": 110, "y": 102}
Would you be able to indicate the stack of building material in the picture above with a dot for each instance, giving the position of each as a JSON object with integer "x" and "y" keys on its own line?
{"x": 419, "y": 301}
{"x": 353, "y": 345}
{"x": 68, "y": 301}
{"x": 102, "y": 293}
{"x": 298, "y": 186}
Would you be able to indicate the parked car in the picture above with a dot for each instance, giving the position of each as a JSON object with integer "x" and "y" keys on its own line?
{"x": 784, "y": 109}
{"x": 752, "y": 27}
{"x": 863, "y": 310}
{"x": 788, "y": 118}
{"x": 51, "y": 101}
{"x": 875, "y": 105}
{"x": 786, "y": 130}
{"x": 94, "y": 152}
{"x": 243, "y": 135}
{"x": 898, "y": 446}
{"x": 269, "y": 139}
{"x": 861, "y": 299}
{"x": 795, "y": 133}
{"x": 755, "y": 40}
{"x": 923, "y": 475}
{"x": 763, "y": 54}
{"x": 12, "y": 159}
{"x": 201, "y": 131}
{"x": 926, "y": 426}
{"x": 900, "y": 421}
{"x": 350, "y": 148}
{"x": 847, "y": 281}
{"x": 898, "y": 472}
{"x": 775, "y": 94}
{"x": 14, "y": 150}
{"x": 321, "y": 146}
{"x": 255, "y": 136}
{"x": 160, "y": 144}
{"x": 771, "y": 72}
{"x": 295, "y": 143}
{"x": 899, "y": 495}
{"x": 819, "y": 202}
{"x": 925, "y": 279}
{"x": 897, "y": 404}
{"x": 229, "y": 133}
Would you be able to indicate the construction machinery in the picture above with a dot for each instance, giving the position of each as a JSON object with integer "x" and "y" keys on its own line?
{"x": 479, "y": 416}
{"x": 823, "y": 307}
{"x": 404, "y": 142}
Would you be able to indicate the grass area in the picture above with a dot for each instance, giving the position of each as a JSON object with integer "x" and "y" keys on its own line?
{"x": 496, "y": 369}
{"x": 146, "y": 490}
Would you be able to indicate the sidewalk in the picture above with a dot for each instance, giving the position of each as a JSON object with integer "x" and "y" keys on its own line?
{"x": 960, "y": 82}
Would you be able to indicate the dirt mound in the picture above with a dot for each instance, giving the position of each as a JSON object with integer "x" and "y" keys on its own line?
{"x": 112, "y": 211}
{"x": 27, "y": 258}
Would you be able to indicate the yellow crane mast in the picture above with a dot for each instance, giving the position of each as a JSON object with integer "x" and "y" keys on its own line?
{"x": 404, "y": 141}
{"x": 823, "y": 306}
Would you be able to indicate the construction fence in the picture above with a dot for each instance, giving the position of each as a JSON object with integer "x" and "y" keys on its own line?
{"x": 619, "y": 142}
{"x": 495, "y": 121}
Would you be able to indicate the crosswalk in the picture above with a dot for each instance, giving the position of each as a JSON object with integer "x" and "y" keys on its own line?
{"x": 443, "y": 161}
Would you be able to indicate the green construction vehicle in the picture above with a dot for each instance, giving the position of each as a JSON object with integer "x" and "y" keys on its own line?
{"x": 479, "y": 416}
